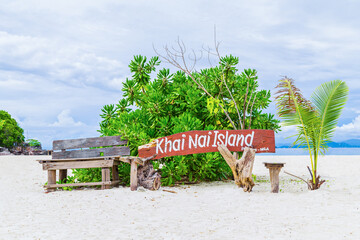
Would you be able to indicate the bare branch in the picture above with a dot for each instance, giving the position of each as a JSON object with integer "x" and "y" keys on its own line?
{"x": 299, "y": 178}
{"x": 172, "y": 56}
{"x": 245, "y": 99}
{"x": 247, "y": 106}
{"x": 232, "y": 98}
{"x": 216, "y": 44}
{"x": 252, "y": 105}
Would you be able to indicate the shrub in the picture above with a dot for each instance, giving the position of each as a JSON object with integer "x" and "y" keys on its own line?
{"x": 173, "y": 103}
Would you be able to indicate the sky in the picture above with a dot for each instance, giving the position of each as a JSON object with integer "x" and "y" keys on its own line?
{"x": 62, "y": 61}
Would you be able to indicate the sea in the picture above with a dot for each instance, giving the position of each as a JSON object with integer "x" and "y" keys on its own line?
{"x": 304, "y": 151}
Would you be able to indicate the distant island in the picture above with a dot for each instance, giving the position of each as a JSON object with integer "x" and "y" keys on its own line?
{"x": 351, "y": 143}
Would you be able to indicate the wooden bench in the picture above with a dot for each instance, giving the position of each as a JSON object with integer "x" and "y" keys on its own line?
{"x": 87, "y": 153}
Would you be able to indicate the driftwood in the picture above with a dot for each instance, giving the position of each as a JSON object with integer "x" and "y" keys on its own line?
{"x": 241, "y": 168}
{"x": 148, "y": 177}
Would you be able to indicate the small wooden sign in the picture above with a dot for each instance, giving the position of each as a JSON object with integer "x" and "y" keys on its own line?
{"x": 207, "y": 141}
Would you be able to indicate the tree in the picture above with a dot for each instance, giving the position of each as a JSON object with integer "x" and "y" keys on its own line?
{"x": 173, "y": 103}
{"x": 315, "y": 120}
{"x": 11, "y": 134}
{"x": 33, "y": 143}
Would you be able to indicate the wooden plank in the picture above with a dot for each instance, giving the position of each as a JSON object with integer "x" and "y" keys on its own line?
{"x": 77, "y": 164}
{"x": 90, "y": 153}
{"x": 51, "y": 178}
{"x": 62, "y": 174}
{"x": 80, "y": 159}
{"x": 105, "y": 177}
{"x": 81, "y": 184}
{"x": 207, "y": 141}
{"x": 115, "y": 172}
{"x": 88, "y": 142}
{"x": 126, "y": 159}
{"x": 133, "y": 176}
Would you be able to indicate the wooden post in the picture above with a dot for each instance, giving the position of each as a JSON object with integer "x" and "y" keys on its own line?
{"x": 274, "y": 170}
{"x": 133, "y": 176}
{"x": 115, "y": 174}
{"x": 51, "y": 179}
{"x": 63, "y": 175}
{"x": 105, "y": 175}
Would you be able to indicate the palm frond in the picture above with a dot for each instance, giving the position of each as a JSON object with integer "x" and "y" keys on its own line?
{"x": 287, "y": 94}
{"x": 329, "y": 99}
{"x": 295, "y": 110}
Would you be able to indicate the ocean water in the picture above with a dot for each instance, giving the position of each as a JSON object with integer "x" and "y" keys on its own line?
{"x": 304, "y": 151}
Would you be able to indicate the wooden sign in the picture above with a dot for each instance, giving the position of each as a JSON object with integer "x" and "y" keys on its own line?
{"x": 207, "y": 141}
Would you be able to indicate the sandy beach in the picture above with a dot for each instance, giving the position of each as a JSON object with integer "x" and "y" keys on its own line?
{"x": 218, "y": 210}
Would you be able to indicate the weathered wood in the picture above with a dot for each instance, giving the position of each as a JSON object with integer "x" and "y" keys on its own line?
{"x": 133, "y": 176}
{"x": 75, "y": 164}
{"x": 230, "y": 160}
{"x": 63, "y": 175}
{"x": 138, "y": 160}
{"x": 110, "y": 183}
{"x": 170, "y": 191}
{"x": 115, "y": 173}
{"x": 245, "y": 167}
{"x": 105, "y": 177}
{"x": 207, "y": 141}
{"x": 126, "y": 159}
{"x": 51, "y": 178}
{"x": 242, "y": 168}
{"x": 88, "y": 142}
{"x": 92, "y": 153}
{"x": 80, "y": 159}
{"x": 274, "y": 170}
{"x": 148, "y": 177}
{"x": 110, "y": 158}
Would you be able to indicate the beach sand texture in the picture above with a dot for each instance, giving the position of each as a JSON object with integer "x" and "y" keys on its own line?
{"x": 218, "y": 210}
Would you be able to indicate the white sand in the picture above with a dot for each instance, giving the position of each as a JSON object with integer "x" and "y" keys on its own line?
{"x": 206, "y": 211}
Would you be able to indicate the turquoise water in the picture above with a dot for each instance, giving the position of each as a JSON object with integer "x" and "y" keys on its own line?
{"x": 303, "y": 151}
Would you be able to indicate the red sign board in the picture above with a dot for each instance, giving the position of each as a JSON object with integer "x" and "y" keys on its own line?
{"x": 207, "y": 141}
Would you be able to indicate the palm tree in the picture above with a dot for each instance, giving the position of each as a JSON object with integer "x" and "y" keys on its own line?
{"x": 315, "y": 120}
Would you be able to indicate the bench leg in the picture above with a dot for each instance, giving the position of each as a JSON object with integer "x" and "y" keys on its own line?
{"x": 63, "y": 175}
{"x": 105, "y": 175}
{"x": 51, "y": 179}
{"x": 133, "y": 176}
{"x": 115, "y": 174}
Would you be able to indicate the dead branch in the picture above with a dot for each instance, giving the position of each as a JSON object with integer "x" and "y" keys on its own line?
{"x": 170, "y": 191}
{"x": 246, "y": 95}
{"x": 298, "y": 178}
{"x": 252, "y": 105}
{"x": 171, "y": 58}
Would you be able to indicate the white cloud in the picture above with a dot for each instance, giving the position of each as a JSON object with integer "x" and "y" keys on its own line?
{"x": 352, "y": 128}
{"x": 65, "y": 120}
{"x": 71, "y": 64}
{"x": 74, "y": 54}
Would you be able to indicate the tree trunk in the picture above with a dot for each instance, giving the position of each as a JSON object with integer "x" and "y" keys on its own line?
{"x": 148, "y": 177}
{"x": 241, "y": 168}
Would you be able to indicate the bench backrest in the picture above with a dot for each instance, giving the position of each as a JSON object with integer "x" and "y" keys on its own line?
{"x": 89, "y": 147}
